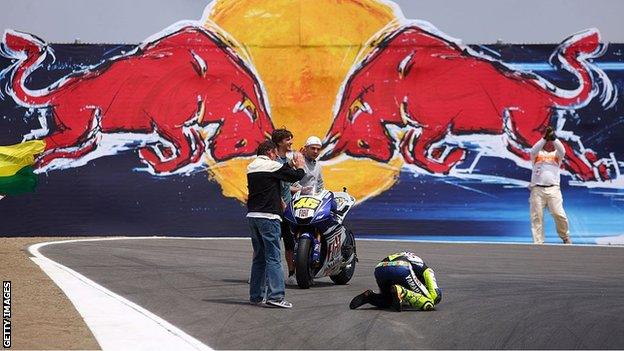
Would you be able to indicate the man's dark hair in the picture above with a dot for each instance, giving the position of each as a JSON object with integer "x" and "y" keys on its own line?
{"x": 279, "y": 135}
{"x": 265, "y": 147}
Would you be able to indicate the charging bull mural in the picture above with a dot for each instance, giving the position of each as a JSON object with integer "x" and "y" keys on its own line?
{"x": 418, "y": 79}
{"x": 172, "y": 86}
{"x": 430, "y": 135}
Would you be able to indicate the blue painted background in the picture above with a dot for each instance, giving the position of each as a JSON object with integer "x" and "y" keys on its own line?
{"x": 106, "y": 197}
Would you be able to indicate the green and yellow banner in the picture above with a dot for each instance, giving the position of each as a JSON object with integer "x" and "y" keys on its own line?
{"x": 16, "y": 171}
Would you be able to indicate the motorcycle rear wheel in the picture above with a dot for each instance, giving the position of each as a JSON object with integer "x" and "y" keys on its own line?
{"x": 346, "y": 273}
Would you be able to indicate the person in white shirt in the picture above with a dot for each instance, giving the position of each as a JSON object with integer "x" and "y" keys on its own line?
{"x": 546, "y": 156}
{"x": 312, "y": 182}
{"x": 313, "y": 179}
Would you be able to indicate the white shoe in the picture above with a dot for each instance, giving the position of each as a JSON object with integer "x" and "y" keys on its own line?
{"x": 279, "y": 303}
{"x": 291, "y": 280}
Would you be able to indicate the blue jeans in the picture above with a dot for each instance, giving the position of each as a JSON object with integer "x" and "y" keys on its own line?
{"x": 266, "y": 267}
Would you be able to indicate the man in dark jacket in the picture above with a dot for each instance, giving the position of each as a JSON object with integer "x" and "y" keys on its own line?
{"x": 264, "y": 207}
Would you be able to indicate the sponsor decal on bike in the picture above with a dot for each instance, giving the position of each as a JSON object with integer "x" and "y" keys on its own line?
{"x": 304, "y": 213}
{"x": 307, "y": 202}
{"x": 333, "y": 247}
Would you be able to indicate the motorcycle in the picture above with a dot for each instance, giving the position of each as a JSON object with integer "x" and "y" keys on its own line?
{"x": 324, "y": 246}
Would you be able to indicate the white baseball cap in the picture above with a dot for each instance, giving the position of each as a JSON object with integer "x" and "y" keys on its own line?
{"x": 313, "y": 140}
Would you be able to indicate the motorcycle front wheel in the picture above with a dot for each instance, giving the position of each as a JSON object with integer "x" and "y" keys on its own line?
{"x": 303, "y": 265}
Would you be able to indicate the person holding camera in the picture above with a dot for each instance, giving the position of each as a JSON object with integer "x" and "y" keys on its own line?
{"x": 546, "y": 156}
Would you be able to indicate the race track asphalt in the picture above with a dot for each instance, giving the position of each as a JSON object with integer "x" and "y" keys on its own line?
{"x": 496, "y": 296}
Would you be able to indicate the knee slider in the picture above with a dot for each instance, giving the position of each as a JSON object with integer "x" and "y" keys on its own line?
{"x": 418, "y": 301}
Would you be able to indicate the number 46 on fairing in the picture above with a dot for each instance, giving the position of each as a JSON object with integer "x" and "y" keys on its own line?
{"x": 306, "y": 202}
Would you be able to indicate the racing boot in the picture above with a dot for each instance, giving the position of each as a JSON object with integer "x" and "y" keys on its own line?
{"x": 432, "y": 286}
{"x": 416, "y": 300}
{"x": 360, "y": 300}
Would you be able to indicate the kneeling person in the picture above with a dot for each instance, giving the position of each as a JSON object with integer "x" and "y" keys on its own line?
{"x": 400, "y": 279}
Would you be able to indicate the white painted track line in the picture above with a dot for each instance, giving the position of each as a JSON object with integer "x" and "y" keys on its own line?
{"x": 116, "y": 323}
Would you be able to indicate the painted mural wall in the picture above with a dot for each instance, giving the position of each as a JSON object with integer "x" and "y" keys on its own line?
{"x": 430, "y": 135}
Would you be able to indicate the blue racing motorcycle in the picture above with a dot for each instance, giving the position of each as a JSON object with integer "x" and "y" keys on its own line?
{"x": 324, "y": 246}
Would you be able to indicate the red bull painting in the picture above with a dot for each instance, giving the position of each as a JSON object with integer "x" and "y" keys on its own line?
{"x": 167, "y": 90}
{"x": 435, "y": 88}
{"x": 429, "y": 134}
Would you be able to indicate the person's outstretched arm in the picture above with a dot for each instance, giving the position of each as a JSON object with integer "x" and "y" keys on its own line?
{"x": 288, "y": 174}
{"x": 536, "y": 148}
{"x": 559, "y": 149}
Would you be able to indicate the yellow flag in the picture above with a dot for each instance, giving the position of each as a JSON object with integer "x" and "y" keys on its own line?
{"x": 15, "y": 157}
